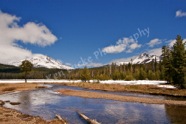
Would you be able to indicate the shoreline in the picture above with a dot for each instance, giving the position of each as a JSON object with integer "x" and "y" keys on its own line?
{"x": 143, "y": 89}
{"x": 10, "y": 116}
{"x": 96, "y": 95}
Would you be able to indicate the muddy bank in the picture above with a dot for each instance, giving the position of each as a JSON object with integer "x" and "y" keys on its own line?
{"x": 88, "y": 94}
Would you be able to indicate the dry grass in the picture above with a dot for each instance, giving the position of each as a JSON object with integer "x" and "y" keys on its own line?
{"x": 4, "y": 88}
{"x": 8, "y": 89}
{"x": 8, "y": 116}
{"x": 146, "y": 89}
{"x": 96, "y": 95}
{"x": 41, "y": 87}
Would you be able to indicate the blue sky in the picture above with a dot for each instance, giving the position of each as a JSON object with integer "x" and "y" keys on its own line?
{"x": 94, "y": 31}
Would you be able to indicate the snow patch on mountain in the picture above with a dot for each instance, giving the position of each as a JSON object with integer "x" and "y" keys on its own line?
{"x": 39, "y": 60}
{"x": 145, "y": 58}
{"x": 141, "y": 59}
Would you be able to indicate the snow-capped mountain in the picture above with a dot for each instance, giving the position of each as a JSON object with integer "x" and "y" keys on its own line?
{"x": 141, "y": 59}
{"x": 145, "y": 58}
{"x": 39, "y": 60}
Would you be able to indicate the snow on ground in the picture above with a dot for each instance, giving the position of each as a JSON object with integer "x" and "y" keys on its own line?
{"x": 160, "y": 84}
{"x": 122, "y": 82}
{"x": 134, "y": 82}
{"x": 166, "y": 86}
{"x": 39, "y": 81}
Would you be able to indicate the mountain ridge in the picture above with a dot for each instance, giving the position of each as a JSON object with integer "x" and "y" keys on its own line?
{"x": 40, "y": 60}
{"x": 143, "y": 58}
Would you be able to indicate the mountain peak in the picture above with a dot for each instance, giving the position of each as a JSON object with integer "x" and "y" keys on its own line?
{"x": 143, "y": 55}
{"x": 141, "y": 59}
{"x": 40, "y": 60}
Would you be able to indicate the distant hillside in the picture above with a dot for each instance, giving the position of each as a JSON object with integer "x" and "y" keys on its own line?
{"x": 9, "y": 68}
{"x": 2, "y": 66}
{"x": 13, "y": 72}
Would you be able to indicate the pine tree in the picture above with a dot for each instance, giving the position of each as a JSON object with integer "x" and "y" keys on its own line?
{"x": 166, "y": 62}
{"x": 179, "y": 62}
{"x": 155, "y": 64}
{"x": 85, "y": 74}
{"x": 142, "y": 74}
{"x": 26, "y": 67}
{"x": 129, "y": 77}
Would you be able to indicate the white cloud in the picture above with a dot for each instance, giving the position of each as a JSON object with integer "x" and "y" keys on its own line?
{"x": 115, "y": 110}
{"x": 94, "y": 64}
{"x": 126, "y": 44}
{"x": 122, "y": 60}
{"x": 172, "y": 42}
{"x": 114, "y": 49}
{"x": 156, "y": 52}
{"x": 133, "y": 47}
{"x": 180, "y": 13}
{"x": 11, "y": 32}
{"x": 154, "y": 42}
{"x": 88, "y": 64}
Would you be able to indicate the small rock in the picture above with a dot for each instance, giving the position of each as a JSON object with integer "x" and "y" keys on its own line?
{"x": 7, "y": 101}
{"x": 2, "y": 103}
{"x": 15, "y": 103}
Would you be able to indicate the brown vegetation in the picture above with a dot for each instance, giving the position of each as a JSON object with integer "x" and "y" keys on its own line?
{"x": 41, "y": 87}
{"x": 146, "y": 89}
{"x": 96, "y": 95}
{"x": 4, "y": 88}
{"x": 9, "y": 89}
{"x": 9, "y": 116}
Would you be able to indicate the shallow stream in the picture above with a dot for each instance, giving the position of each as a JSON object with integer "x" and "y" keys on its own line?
{"x": 46, "y": 103}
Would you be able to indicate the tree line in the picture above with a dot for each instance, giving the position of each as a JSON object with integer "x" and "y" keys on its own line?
{"x": 171, "y": 68}
{"x": 174, "y": 63}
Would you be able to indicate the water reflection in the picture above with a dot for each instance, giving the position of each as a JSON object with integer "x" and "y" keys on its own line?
{"x": 46, "y": 103}
{"x": 176, "y": 114}
{"x": 134, "y": 113}
{"x": 25, "y": 100}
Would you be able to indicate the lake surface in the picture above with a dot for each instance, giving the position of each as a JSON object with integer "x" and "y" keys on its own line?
{"x": 46, "y": 103}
